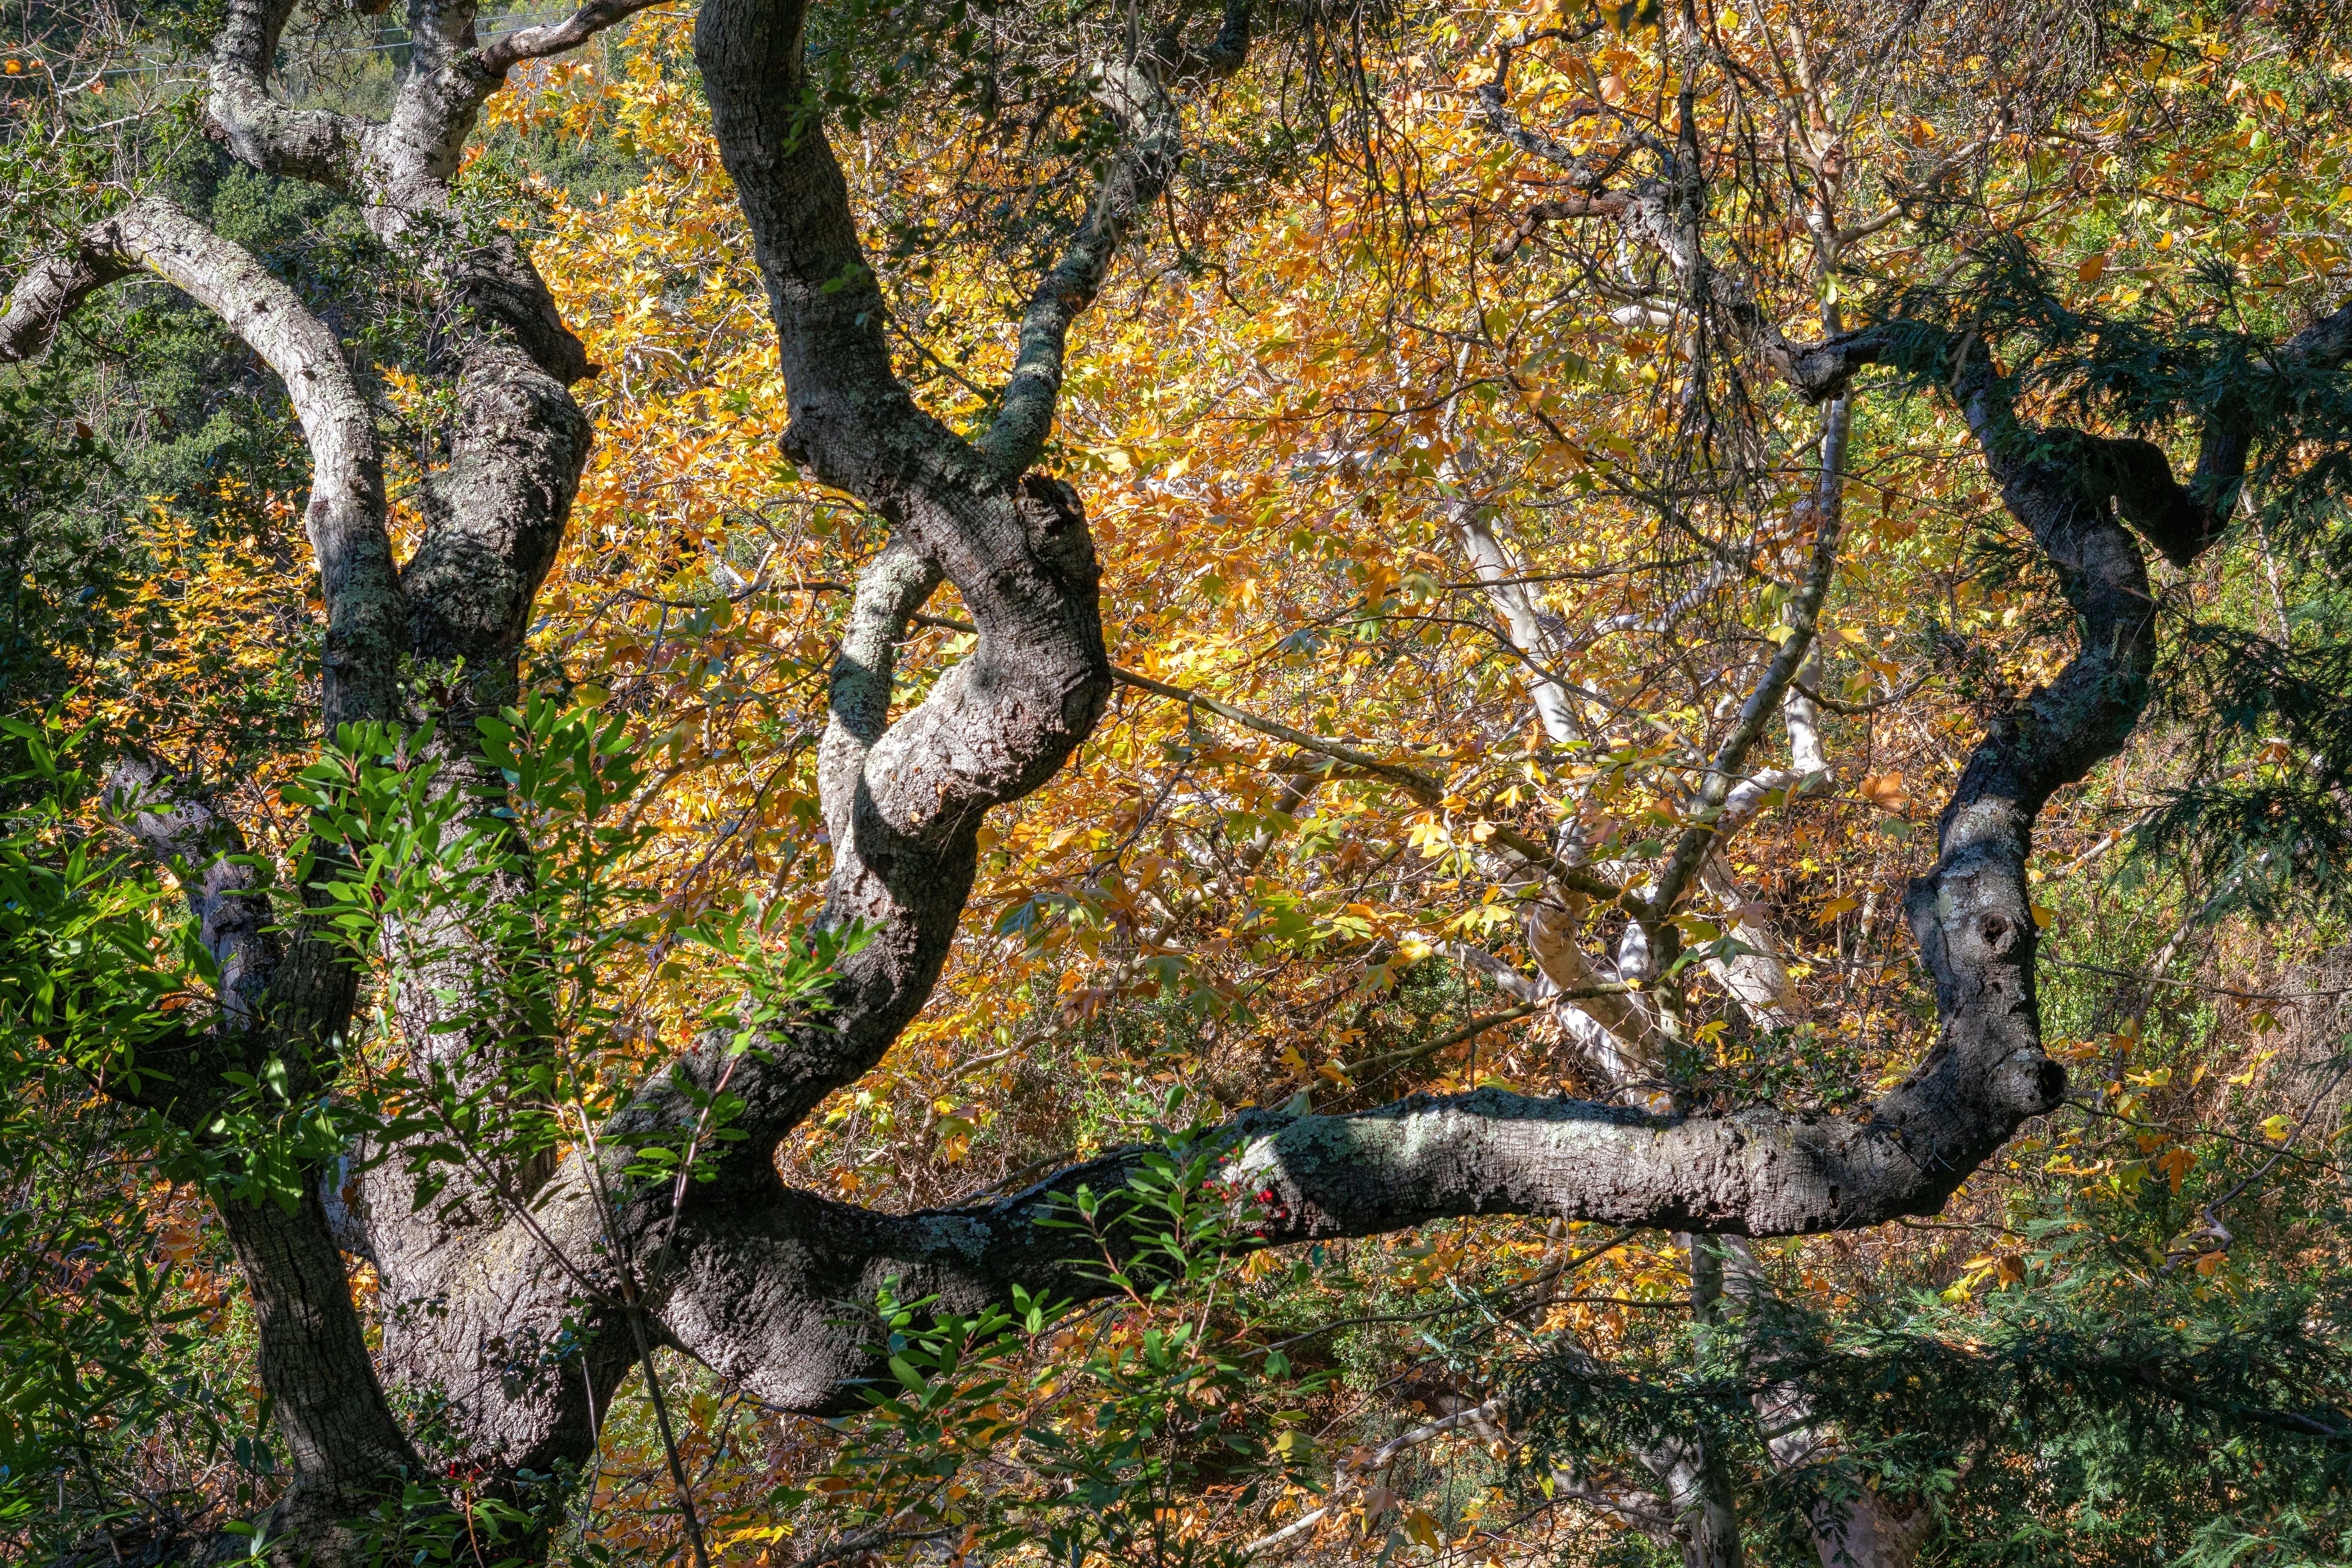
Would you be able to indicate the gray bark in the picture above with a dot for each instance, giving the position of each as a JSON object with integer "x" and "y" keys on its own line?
{"x": 47, "y": 293}
{"x": 345, "y": 514}
{"x": 750, "y": 1275}
{"x": 495, "y": 516}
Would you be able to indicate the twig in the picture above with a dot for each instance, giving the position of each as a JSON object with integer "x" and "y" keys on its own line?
{"x": 634, "y": 1310}
{"x": 2196, "y": 985}
{"x": 1478, "y": 1025}
{"x": 1387, "y": 1455}
{"x": 867, "y": 1541}
{"x": 1835, "y": 706}
{"x": 1428, "y": 791}
{"x": 2210, "y": 1212}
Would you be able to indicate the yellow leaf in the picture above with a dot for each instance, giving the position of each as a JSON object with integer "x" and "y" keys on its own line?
{"x": 2042, "y": 915}
{"x": 1835, "y": 908}
{"x": 2089, "y": 272}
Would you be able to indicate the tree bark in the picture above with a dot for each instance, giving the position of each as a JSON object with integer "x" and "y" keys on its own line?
{"x": 512, "y": 1311}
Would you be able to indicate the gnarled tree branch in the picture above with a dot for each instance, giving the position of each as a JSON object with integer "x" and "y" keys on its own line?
{"x": 313, "y": 144}
{"x": 1151, "y": 135}
{"x": 345, "y": 515}
{"x": 51, "y": 288}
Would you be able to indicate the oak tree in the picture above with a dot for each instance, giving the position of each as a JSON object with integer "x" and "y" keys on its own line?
{"x": 1773, "y": 229}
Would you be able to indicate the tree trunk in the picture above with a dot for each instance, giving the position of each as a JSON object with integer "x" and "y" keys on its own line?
{"x": 513, "y": 1313}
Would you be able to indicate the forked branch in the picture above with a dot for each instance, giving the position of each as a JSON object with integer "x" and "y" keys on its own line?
{"x": 1134, "y": 95}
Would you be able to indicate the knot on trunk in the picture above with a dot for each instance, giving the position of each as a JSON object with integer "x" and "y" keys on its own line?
{"x": 1998, "y": 931}
{"x": 2030, "y": 1084}
{"x": 1053, "y": 521}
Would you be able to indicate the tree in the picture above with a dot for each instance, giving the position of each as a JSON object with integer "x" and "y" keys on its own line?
{"x": 547, "y": 1277}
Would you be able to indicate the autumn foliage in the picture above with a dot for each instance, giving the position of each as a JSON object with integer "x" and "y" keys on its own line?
{"x": 1312, "y": 374}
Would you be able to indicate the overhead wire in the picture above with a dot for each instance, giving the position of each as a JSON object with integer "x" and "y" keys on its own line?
{"x": 498, "y": 24}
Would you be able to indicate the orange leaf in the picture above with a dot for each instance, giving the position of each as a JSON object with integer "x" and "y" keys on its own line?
{"x": 1885, "y": 791}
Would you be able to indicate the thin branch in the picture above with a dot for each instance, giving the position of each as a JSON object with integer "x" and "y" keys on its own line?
{"x": 1691, "y": 850}
{"x": 1835, "y": 706}
{"x": 1420, "y": 786}
{"x": 1478, "y": 1025}
{"x": 1387, "y": 1455}
{"x": 1152, "y": 136}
